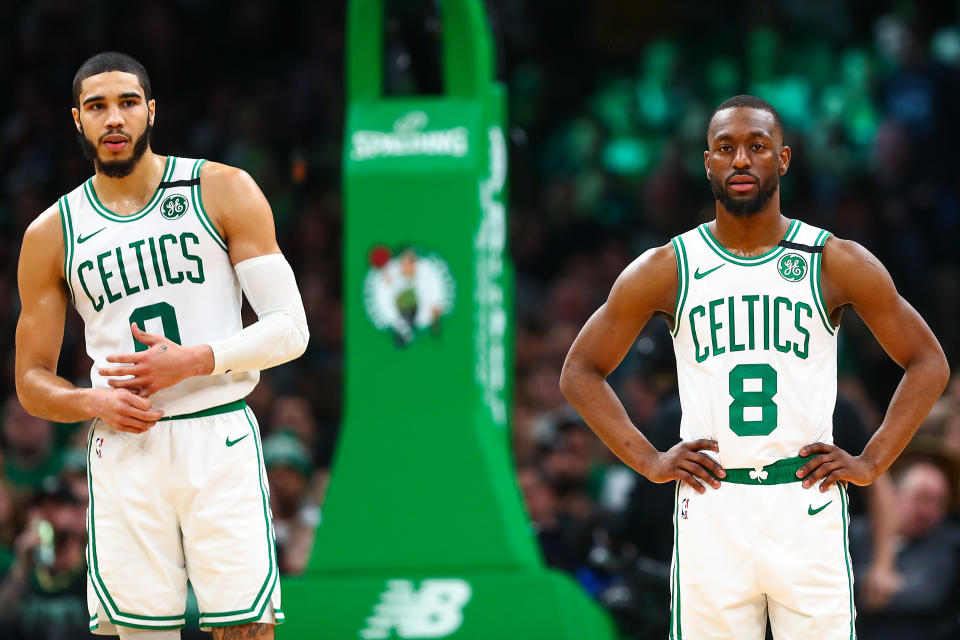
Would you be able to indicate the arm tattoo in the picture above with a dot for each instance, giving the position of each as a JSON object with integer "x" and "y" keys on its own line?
{"x": 252, "y": 631}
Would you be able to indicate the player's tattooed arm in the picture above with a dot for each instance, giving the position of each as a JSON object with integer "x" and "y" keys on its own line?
{"x": 646, "y": 287}
{"x": 244, "y": 632}
{"x": 163, "y": 364}
{"x": 853, "y": 277}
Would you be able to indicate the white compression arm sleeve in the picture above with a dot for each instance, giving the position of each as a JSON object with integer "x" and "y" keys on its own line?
{"x": 280, "y": 334}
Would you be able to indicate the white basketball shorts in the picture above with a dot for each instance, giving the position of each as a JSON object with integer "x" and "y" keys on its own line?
{"x": 187, "y": 500}
{"x": 745, "y": 550}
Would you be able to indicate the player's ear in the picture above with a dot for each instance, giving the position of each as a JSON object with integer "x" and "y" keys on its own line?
{"x": 706, "y": 164}
{"x": 785, "y": 155}
{"x": 76, "y": 119}
{"x": 151, "y": 111}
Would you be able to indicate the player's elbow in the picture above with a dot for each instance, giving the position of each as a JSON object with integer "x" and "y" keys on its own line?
{"x": 941, "y": 370}
{"x": 296, "y": 337}
{"x": 28, "y": 401}
{"x": 300, "y": 339}
{"x": 571, "y": 380}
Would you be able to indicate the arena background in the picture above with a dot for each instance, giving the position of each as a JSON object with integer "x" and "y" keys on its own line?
{"x": 607, "y": 108}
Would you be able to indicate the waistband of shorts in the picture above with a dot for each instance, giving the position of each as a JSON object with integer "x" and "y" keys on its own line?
{"x": 780, "y": 472}
{"x": 236, "y": 405}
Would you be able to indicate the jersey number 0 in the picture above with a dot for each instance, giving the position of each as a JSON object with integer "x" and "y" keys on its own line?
{"x": 168, "y": 320}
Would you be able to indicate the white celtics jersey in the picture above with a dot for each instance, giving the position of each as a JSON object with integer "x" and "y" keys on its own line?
{"x": 756, "y": 351}
{"x": 164, "y": 268}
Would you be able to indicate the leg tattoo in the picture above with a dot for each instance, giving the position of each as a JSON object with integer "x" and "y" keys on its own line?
{"x": 253, "y": 631}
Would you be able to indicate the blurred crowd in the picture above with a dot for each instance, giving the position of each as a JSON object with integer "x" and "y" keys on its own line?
{"x": 608, "y": 104}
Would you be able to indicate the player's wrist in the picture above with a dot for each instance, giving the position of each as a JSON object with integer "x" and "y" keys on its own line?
{"x": 92, "y": 402}
{"x": 647, "y": 462}
{"x": 203, "y": 360}
{"x": 872, "y": 467}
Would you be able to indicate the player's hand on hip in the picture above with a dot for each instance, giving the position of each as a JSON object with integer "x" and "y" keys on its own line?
{"x": 163, "y": 364}
{"x": 684, "y": 461}
{"x": 124, "y": 410}
{"x": 831, "y": 465}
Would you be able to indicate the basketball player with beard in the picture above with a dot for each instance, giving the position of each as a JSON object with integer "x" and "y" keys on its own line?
{"x": 753, "y": 300}
{"x": 155, "y": 253}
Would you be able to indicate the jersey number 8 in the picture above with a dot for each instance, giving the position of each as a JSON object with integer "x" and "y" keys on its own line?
{"x": 759, "y": 401}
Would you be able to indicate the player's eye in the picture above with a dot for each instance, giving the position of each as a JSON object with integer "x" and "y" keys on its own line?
{"x": 725, "y": 148}
{"x": 758, "y": 146}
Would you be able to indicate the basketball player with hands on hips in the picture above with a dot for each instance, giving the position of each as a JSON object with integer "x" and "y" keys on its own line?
{"x": 156, "y": 252}
{"x": 753, "y": 300}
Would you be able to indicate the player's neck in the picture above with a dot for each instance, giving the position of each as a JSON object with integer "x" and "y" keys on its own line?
{"x": 751, "y": 235}
{"x": 130, "y": 193}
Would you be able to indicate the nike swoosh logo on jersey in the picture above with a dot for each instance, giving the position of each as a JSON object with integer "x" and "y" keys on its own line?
{"x": 230, "y": 442}
{"x": 81, "y": 238}
{"x": 811, "y": 511}
{"x": 697, "y": 275}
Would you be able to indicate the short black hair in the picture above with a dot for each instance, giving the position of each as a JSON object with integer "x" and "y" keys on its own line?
{"x": 752, "y": 102}
{"x": 110, "y": 61}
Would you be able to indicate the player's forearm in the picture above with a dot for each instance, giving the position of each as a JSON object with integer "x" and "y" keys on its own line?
{"x": 46, "y": 395}
{"x": 923, "y": 381}
{"x": 593, "y": 398}
{"x": 280, "y": 333}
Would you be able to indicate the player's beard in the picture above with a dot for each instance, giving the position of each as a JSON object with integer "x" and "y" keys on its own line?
{"x": 745, "y": 206}
{"x": 116, "y": 168}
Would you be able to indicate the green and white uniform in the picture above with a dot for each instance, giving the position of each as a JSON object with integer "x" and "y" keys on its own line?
{"x": 175, "y": 502}
{"x": 757, "y": 369}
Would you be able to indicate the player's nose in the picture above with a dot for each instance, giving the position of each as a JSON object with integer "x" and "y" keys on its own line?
{"x": 114, "y": 118}
{"x": 741, "y": 159}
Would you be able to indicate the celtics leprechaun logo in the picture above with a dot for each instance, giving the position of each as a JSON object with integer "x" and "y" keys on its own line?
{"x": 406, "y": 292}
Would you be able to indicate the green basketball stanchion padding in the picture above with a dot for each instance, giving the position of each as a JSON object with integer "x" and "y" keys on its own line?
{"x": 423, "y": 533}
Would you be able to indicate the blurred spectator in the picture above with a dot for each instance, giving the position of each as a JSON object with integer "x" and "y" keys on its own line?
{"x": 30, "y": 453}
{"x": 10, "y": 526}
{"x": 44, "y": 595}
{"x": 295, "y": 518}
{"x": 927, "y": 602}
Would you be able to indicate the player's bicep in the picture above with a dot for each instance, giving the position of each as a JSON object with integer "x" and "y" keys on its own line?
{"x": 866, "y": 286}
{"x": 43, "y": 300}
{"x": 644, "y": 288}
{"x": 240, "y": 209}
{"x": 605, "y": 339}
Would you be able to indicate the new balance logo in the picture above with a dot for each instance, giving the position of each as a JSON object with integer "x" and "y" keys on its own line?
{"x": 435, "y": 611}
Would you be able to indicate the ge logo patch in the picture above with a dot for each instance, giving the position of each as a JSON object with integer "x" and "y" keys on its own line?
{"x": 174, "y": 207}
{"x": 792, "y": 267}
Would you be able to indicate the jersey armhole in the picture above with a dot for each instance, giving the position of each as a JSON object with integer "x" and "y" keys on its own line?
{"x": 202, "y": 216}
{"x": 683, "y": 279}
{"x": 66, "y": 223}
{"x": 815, "y": 265}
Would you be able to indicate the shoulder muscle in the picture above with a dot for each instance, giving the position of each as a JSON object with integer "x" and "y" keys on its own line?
{"x": 239, "y": 209}
{"x": 648, "y": 285}
{"x": 41, "y": 254}
{"x": 854, "y": 276}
